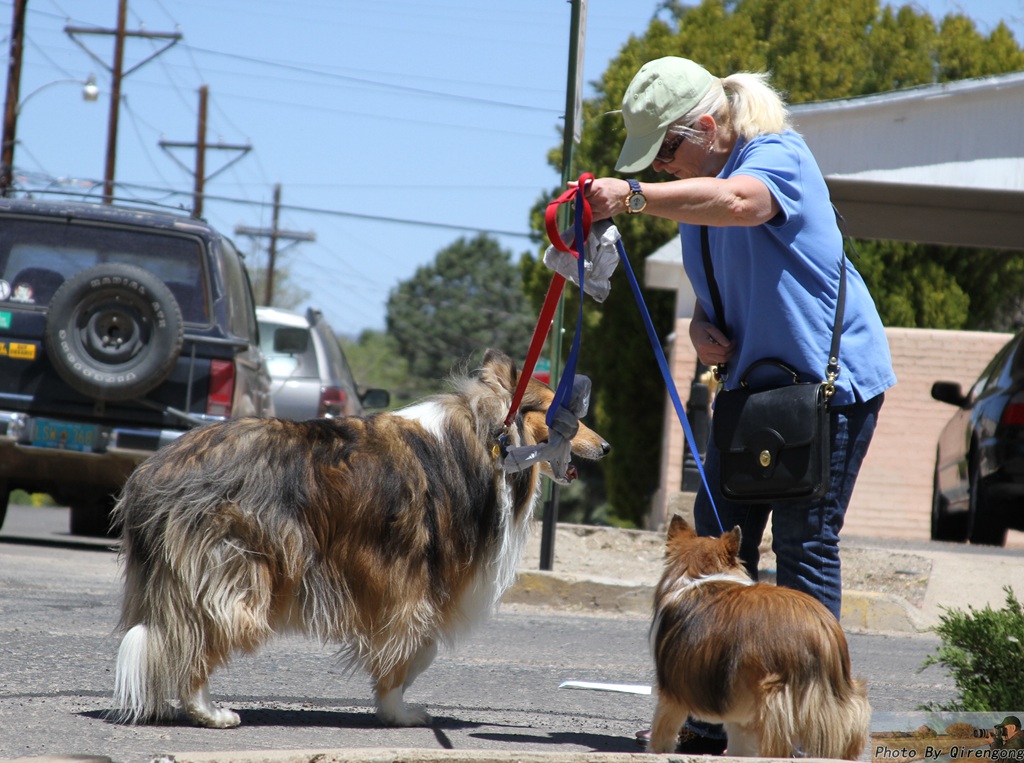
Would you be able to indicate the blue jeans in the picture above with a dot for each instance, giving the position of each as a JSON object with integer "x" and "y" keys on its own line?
{"x": 805, "y": 534}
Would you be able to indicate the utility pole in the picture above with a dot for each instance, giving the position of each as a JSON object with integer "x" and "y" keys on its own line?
{"x": 13, "y": 94}
{"x": 570, "y": 136}
{"x": 274, "y": 233}
{"x": 201, "y": 147}
{"x": 118, "y": 72}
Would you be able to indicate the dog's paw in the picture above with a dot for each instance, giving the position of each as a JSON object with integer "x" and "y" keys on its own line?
{"x": 404, "y": 715}
{"x": 218, "y": 718}
{"x": 661, "y": 746}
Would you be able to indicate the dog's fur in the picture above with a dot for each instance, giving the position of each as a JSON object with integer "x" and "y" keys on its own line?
{"x": 770, "y": 663}
{"x": 387, "y": 535}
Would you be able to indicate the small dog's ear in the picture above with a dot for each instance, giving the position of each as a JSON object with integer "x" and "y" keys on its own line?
{"x": 732, "y": 540}
{"x": 499, "y": 368}
{"x": 678, "y": 526}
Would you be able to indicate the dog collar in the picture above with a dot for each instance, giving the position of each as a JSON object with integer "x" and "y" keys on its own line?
{"x": 718, "y": 577}
{"x": 500, "y": 448}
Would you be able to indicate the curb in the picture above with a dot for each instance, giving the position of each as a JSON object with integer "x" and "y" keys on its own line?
{"x": 880, "y": 613}
{"x": 60, "y": 759}
{"x": 862, "y": 610}
{"x": 577, "y": 593}
{"x": 380, "y": 755}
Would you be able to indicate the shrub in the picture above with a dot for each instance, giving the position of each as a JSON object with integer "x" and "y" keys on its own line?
{"x": 960, "y": 730}
{"x": 983, "y": 650}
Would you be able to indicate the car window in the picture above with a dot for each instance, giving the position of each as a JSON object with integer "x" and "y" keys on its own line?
{"x": 279, "y": 344}
{"x": 1015, "y": 367}
{"x": 37, "y": 257}
{"x": 997, "y": 374}
{"x": 336, "y": 358}
{"x": 241, "y": 308}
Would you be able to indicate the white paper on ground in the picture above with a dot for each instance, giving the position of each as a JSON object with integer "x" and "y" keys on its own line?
{"x": 596, "y": 686}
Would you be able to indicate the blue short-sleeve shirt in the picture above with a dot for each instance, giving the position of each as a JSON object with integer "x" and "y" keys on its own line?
{"x": 780, "y": 281}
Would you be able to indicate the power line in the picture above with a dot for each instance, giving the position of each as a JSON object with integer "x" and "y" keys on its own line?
{"x": 327, "y": 212}
{"x": 374, "y": 83}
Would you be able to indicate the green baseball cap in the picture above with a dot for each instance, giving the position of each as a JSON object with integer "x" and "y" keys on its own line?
{"x": 661, "y": 92}
{"x": 1011, "y": 720}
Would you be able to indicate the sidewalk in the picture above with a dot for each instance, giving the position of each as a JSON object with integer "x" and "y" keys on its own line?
{"x": 949, "y": 576}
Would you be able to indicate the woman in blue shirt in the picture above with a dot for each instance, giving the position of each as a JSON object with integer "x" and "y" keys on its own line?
{"x": 775, "y": 248}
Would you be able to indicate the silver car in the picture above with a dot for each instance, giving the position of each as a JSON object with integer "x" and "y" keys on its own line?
{"x": 310, "y": 376}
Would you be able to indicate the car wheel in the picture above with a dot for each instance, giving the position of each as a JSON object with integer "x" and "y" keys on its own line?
{"x": 945, "y": 527}
{"x": 92, "y": 517}
{"x": 114, "y": 331}
{"x": 984, "y": 524}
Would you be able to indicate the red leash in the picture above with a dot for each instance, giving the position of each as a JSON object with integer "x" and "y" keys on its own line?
{"x": 547, "y": 312}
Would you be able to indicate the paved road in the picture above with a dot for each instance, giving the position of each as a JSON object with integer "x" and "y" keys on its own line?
{"x": 499, "y": 691}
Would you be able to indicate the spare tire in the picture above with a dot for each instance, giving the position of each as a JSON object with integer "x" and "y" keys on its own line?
{"x": 114, "y": 331}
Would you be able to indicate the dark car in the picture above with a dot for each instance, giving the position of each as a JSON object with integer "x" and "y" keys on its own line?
{"x": 120, "y": 329}
{"x": 979, "y": 462}
{"x": 310, "y": 375}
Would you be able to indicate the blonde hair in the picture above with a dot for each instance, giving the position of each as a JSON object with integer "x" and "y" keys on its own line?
{"x": 746, "y": 101}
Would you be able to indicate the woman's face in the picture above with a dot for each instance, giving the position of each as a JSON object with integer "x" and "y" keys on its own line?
{"x": 690, "y": 157}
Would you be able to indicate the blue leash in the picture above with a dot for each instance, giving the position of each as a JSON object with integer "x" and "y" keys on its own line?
{"x": 652, "y": 335}
{"x": 563, "y": 394}
{"x": 565, "y": 384}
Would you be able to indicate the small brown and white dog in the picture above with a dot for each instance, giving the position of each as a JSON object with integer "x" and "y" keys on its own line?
{"x": 387, "y": 535}
{"x": 770, "y": 663}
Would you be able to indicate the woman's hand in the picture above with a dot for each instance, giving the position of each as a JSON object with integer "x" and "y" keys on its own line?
{"x": 713, "y": 347}
{"x": 607, "y": 196}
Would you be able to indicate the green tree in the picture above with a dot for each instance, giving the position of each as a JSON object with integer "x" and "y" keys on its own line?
{"x": 376, "y": 362}
{"x": 469, "y": 299}
{"x": 815, "y": 50}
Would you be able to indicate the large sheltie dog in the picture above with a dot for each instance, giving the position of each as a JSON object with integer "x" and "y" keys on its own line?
{"x": 769, "y": 663}
{"x": 387, "y": 535}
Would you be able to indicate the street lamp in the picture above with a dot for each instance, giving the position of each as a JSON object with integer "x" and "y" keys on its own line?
{"x": 90, "y": 92}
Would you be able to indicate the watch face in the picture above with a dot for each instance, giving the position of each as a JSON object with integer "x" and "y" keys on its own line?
{"x": 637, "y": 201}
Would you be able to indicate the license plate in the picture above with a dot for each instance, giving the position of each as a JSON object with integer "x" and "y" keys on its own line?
{"x": 64, "y": 435}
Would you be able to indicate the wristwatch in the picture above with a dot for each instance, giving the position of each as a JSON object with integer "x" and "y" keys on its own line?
{"x": 636, "y": 201}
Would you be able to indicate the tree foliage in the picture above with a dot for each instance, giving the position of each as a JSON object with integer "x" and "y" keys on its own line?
{"x": 376, "y": 362}
{"x": 815, "y": 50}
{"x": 470, "y": 298}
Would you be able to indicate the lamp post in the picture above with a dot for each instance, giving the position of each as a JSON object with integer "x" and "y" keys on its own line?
{"x": 13, "y": 107}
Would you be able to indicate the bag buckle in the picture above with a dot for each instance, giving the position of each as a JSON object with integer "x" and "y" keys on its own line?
{"x": 831, "y": 374}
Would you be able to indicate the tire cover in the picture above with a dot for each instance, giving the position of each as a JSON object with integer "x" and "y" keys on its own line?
{"x": 114, "y": 331}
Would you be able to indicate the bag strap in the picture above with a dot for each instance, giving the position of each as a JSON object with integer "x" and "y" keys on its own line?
{"x": 832, "y": 368}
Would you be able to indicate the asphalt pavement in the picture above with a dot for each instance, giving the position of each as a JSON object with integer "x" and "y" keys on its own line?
{"x": 961, "y": 576}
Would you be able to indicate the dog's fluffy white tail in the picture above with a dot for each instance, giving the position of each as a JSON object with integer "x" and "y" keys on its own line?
{"x": 140, "y": 693}
{"x": 814, "y": 722}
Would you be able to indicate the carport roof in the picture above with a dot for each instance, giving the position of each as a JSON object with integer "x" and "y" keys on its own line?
{"x": 941, "y": 164}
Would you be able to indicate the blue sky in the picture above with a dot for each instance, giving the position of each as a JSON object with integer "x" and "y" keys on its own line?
{"x": 438, "y": 112}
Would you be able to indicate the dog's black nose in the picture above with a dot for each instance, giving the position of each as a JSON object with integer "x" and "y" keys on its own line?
{"x": 606, "y": 448}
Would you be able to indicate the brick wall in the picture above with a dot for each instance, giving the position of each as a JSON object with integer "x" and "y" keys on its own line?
{"x": 893, "y": 494}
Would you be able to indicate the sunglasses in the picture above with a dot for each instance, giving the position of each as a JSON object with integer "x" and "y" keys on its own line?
{"x": 669, "y": 146}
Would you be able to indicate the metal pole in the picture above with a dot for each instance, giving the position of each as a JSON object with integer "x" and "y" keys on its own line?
{"x": 268, "y": 298}
{"x": 115, "y": 102}
{"x": 549, "y": 518}
{"x": 13, "y": 94}
{"x": 197, "y": 198}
